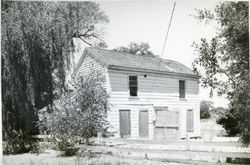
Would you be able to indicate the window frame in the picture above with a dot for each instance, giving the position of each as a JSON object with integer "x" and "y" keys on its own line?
{"x": 187, "y": 121}
{"x": 185, "y": 88}
{"x": 129, "y": 135}
{"x": 137, "y": 85}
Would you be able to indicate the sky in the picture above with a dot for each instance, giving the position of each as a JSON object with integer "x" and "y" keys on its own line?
{"x": 143, "y": 21}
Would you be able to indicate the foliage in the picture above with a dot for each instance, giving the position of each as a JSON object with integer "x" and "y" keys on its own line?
{"x": 240, "y": 109}
{"x": 79, "y": 114}
{"x": 19, "y": 143}
{"x": 224, "y": 61}
{"x": 205, "y": 108}
{"x": 71, "y": 151}
{"x": 227, "y": 120}
{"x": 135, "y": 48}
{"x": 218, "y": 112}
{"x": 36, "y": 44}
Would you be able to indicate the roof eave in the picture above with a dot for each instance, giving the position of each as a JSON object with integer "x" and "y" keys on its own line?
{"x": 79, "y": 63}
{"x": 122, "y": 68}
{"x": 86, "y": 52}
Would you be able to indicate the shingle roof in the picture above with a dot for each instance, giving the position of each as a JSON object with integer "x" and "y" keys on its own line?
{"x": 113, "y": 58}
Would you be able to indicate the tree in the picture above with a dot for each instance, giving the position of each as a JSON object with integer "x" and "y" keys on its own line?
{"x": 227, "y": 120}
{"x": 36, "y": 45}
{"x": 79, "y": 114}
{"x": 223, "y": 63}
{"x": 205, "y": 108}
{"x": 135, "y": 48}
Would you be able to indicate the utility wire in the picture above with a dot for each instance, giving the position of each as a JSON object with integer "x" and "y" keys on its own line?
{"x": 164, "y": 45}
{"x": 165, "y": 41}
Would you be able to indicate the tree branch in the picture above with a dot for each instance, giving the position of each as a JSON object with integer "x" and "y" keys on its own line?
{"x": 85, "y": 41}
{"x": 227, "y": 74}
{"x": 85, "y": 35}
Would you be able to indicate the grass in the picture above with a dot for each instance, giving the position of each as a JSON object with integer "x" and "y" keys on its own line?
{"x": 52, "y": 158}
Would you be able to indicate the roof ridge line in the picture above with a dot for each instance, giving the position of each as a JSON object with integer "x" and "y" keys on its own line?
{"x": 129, "y": 60}
{"x": 146, "y": 55}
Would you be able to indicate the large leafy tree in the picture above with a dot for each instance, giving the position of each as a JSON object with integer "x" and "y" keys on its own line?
{"x": 135, "y": 48}
{"x": 223, "y": 62}
{"x": 36, "y": 44}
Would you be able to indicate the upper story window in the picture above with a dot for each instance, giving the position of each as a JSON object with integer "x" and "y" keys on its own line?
{"x": 133, "y": 85}
{"x": 182, "y": 89}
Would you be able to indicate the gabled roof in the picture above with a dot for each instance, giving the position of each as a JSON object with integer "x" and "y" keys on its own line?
{"x": 111, "y": 59}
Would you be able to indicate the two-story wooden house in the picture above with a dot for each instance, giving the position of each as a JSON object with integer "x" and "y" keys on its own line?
{"x": 150, "y": 97}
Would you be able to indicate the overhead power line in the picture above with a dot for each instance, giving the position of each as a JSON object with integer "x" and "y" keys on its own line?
{"x": 165, "y": 41}
{"x": 170, "y": 21}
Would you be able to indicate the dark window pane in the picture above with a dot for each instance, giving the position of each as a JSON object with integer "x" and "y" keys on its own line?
{"x": 133, "y": 91}
{"x": 133, "y": 86}
{"x": 182, "y": 89}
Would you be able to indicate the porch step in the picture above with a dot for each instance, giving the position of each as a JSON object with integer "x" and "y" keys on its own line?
{"x": 188, "y": 147}
{"x": 167, "y": 142}
{"x": 215, "y": 157}
{"x": 176, "y": 153}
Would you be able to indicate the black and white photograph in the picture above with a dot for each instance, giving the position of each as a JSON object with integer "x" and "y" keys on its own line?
{"x": 125, "y": 82}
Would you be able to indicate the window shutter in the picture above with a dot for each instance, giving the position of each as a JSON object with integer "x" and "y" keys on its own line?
{"x": 190, "y": 120}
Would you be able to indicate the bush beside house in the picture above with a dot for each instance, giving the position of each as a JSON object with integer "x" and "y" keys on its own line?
{"x": 79, "y": 114}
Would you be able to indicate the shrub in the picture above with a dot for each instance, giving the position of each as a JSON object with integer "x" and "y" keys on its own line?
{"x": 227, "y": 120}
{"x": 19, "y": 143}
{"x": 70, "y": 151}
{"x": 205, "y": 114}
{"x": 79, "y": 114}
{"x": 205, "y": 107}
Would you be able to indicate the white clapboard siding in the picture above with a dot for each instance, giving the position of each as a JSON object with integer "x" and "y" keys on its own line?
{"x": 164, "y": 92}
{"x": 89, "y": 65}
{"x": 152, "y": 83}
{"x": 174, "y": 104}
{"x": 134, "y": 114}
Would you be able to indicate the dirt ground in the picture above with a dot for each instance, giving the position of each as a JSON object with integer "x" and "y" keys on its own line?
{"x": 212, "y": 144}
{"x": 52, "y": 158}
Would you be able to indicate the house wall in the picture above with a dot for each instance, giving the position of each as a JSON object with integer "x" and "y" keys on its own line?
{"x": 88, "y": 65}
{"x": 113, "y": 118}
{"x": 164, "y": 92}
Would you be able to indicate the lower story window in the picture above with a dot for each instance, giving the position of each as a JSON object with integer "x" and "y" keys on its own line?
{"x": 190, "y": 120}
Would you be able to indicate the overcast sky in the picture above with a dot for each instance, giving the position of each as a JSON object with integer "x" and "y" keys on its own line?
{"x": 141, "y": 21}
